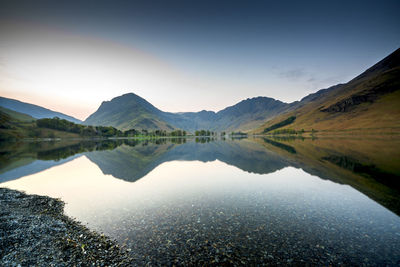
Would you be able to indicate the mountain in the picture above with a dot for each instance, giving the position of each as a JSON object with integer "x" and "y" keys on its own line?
{"x": 127, "y": 112}
{"x": 245, "y": 115}
{"x": 131, "y": 111}
{"x": 8, "y": 115}
{"x": 15, "y": 125}
{"x": 368, "y": 103}
{"x": 33, "y": 110}
{"x": 248, "y": 114}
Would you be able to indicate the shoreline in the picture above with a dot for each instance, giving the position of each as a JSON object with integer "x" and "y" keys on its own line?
{"x": 35, "y": 231}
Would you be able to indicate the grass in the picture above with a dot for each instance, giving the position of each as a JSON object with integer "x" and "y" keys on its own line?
{"x": 16, "y": 116}
{"x": 381, "y": 116}
{"x": 15, "y": 125}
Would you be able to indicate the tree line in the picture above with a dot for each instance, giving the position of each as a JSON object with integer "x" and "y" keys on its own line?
{"x": 109, "y": 131}
{"x": 204, "y": 133}
{"x": 280, "y": 124}
{"x": 100, "y": 131}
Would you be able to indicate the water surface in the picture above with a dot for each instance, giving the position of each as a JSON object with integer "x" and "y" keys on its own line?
{"x": 225, "y": 201}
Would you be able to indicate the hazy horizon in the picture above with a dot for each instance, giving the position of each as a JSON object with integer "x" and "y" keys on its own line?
{"x": 186, "y": 56}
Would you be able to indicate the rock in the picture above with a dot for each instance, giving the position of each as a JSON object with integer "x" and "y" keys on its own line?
{"x": 35, "y": 231}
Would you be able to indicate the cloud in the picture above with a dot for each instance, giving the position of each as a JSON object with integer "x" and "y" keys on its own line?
{"x": 308, "y": 80}
{"x": 294, "y": 74}
{"x": 311, "y": 79}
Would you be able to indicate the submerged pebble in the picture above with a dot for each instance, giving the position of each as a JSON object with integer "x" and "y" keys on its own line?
{"x": 35, "y": 232}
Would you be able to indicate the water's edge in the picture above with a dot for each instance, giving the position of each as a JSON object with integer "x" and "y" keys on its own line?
{"x": 35, "y": 231}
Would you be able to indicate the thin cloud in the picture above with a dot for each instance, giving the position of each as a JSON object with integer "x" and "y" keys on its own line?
{"x": 294, "y": 74}
{"x": 313, "y": 80}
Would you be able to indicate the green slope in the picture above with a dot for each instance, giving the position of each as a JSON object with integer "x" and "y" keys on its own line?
{"x": 35, "y": 111}
{"x": 370, "y": 103}
{"x": 126, "y": 112}
{"x": 15, "y": 125}
{"x": 131, "y": 111}
{"x": 15, "y": 116}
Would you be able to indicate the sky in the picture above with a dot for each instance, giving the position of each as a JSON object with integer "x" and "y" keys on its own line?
{"x": 70, "y": 56}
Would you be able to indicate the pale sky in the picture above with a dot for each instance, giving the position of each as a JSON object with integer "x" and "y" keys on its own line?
{"x": 186, "y": 55}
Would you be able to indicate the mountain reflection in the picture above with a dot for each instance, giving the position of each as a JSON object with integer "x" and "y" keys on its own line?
{"x": 369, "y": 165}
{"x": 362, "y": 164}
{"x": 131, "y": 163}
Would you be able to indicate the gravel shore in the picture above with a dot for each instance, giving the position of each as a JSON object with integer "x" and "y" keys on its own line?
{"x": 35, "y": 231}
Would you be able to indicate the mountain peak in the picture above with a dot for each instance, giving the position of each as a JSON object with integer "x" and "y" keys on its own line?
{"x": 132, "y": 111}
{"x": 389, "y": 62}
{"x": 367, "y": 102}
{"x": 128, "y": 95}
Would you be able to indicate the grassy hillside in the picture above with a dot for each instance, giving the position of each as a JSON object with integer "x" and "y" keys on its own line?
{"x": 15, "y": 125}
{"x": 16, "y": 116}
{"x": 126, "y": 112}
{"x": 248, "y": 114}
{"x": 131, "y": 111}
{"x": 35, "y": 111}
{"x": 245, "y": 115}
{"x": 368, "y": 103}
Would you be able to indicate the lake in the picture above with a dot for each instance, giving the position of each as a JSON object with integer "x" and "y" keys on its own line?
{"x": 222, "y": 201}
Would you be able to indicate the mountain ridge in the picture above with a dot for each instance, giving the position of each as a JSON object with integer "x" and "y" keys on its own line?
{"x": 370, "y": 101}
{"x": 33, "y": 110}
{"x": 132, "y": 111}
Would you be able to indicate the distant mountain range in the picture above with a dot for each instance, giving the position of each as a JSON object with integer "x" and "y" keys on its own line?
{"x": 131, "y": 111}
{"x": 370, "y": 102}
{"x": 35, "y": 111}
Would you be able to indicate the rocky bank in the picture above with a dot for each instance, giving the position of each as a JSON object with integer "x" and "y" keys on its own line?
{"x": 35, "y": 231}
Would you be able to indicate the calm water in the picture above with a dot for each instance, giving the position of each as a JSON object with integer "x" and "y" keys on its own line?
{"x": 249, "y": 201}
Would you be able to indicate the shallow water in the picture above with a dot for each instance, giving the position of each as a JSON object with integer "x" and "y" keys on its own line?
{"x": 225, "y": 201}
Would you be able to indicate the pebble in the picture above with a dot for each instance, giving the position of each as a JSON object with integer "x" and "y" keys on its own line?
{"x": 35, "y": 232}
